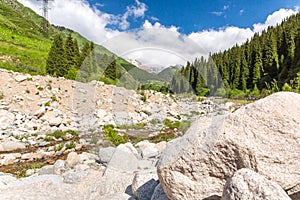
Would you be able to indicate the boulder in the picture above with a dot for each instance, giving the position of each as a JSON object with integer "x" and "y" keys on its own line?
{"x": 72, "y": 159}
{"x": 246, "y": 184}
{"x": 106, "y": 154}
{"x": 124, "y": 159}
{"x": 20, "y": 78}
{"x": 40, "y": 112}
{"x": 159, "y": 193}
{"x": 110, "y": 183}
{"x": 263, "y": 136}
{"x": 6, "y": 146}
{"x": 6, "y": 179}
{"x": 144, "y": 184}
{"x": 55, "y": 121}
{"x": 6, "y": 119}
{"x": 116, "y": 196}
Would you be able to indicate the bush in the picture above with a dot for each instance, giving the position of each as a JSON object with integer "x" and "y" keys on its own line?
{"x": 112, "y": 135}
{"x": 286, "y": 87}
{"x": 172, "y": 124}
{"x": 70, "y": 145}
{"x": 1, "y": 95}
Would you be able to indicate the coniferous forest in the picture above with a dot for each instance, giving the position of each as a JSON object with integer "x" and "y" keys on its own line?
{"x": 65, "y": 59}
{"x": 267, "y": 63}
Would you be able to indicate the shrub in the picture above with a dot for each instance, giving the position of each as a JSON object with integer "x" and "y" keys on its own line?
{"x": 70, "y": 145}
{"x": 286, "y": 87}
{"x": 112, "y": 135}
{"x": 1, "y": 95}
{"x": 172, "y": 124}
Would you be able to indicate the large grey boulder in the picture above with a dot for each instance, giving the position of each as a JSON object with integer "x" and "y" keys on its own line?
{"x": 263, "y": 136}
{"x": 246, "y": 184}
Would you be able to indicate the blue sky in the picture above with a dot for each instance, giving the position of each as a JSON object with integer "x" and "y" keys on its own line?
{"x": 197, "y": 15}
{"x": 167, "y": 32}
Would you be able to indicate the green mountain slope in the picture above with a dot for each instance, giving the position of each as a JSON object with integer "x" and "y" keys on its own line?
{"x": 267, "y": 63}
{"x": 24, "y": 46}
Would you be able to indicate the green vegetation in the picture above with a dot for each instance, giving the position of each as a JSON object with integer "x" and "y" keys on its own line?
{"x": 139, "y": 125}
{"x": 113, "y": 136}
{"x": 59, "y": 147}
{"x": 94, "y": 140}
{"x": 26, "y": 47}
{"x": 172, "y": 124}
{"x": 1, "y": 95}
{"x": 20, "y": 170}
{"x": 61, "y": 134}
{"x": 70, "y": 145}
{"x": 268, "y": 63}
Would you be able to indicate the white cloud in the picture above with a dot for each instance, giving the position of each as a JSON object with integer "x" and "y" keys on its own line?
{"x": 225, "y": 7}
{"x": 135, "y": 11}
{"x": 274, "y": 19}
{"x": 79, "y": 16}
{"x": 154, "y": 44}
{"x": 217, "y": 13}
{"x": 242, "y": 11}
{"x": 219, "y": 40}
{"x": 154, "y": 18}
{"x": 224, "y": 38}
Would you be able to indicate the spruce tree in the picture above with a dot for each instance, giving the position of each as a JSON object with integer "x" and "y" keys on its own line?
{"x": 70, "y": 53}
{"x": 56, "y": 62}
{"x": 111, "y": 71}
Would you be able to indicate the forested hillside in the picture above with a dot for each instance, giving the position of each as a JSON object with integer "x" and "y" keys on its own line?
{"x": 269, "y": 62}
{"x": 26, "y": 47}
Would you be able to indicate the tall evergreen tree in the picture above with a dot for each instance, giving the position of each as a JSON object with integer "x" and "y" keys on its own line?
{"x": 111, "y": 71}
{"x": 56, "y": 62}
{"x": 71, "y": 53}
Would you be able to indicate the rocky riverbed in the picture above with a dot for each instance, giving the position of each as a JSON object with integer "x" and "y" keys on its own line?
{"x": 60, "y": 139}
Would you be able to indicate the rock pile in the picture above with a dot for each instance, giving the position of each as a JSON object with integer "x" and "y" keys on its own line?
{"x": 263, "y": 136}
{"x": 30, "y": 104}
{"x": 115, "y": 173}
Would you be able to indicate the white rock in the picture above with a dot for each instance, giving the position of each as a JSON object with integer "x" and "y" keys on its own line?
{"x": 246, "y": 184}
{"x": 20, "y": 78}
{"x": 40, "y": 112}
{"x": 55, "y": 121}
{"x": 11, "y": 146}
{"x": 263, "y": 136}
{"x": 72, "y": 159}
{"x": 6, "y": 119}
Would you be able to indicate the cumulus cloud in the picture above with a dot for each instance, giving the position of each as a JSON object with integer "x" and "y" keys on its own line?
{"x": 79, "y": 16}
{"x": 274, "y": 19}
{"x": 224, "y": 38}
{"x": 136, "y": 11}
{"x": 153, "y": 44}
{"x": 219, "y": 40}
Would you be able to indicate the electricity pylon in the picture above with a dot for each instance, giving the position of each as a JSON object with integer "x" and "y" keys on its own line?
{"x": 45, "y": 9}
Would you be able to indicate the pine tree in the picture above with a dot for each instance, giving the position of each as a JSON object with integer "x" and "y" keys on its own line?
{"x": 56, "y": 62}
{"x": 111, "y": 71}
{"x": 70, "y": 53}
